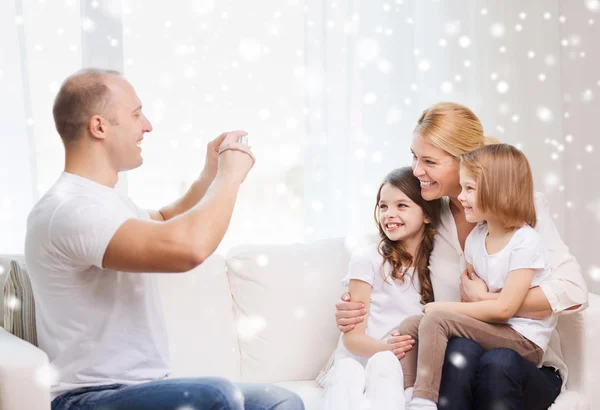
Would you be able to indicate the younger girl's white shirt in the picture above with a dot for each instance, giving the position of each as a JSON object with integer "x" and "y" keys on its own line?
{"x": 392, "y": 300}
{"x": 525, "y": 250}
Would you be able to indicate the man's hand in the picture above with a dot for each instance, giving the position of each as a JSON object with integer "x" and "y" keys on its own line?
{"x": 235, "y": 160}
{"x": 212, "y": 157}
{"x": 399, "y": 345}
{"x": 472, "y": 289}
{"x": 348, "y": 314}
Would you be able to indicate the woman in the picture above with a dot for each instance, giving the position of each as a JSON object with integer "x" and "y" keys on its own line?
{"x": 471, "y": 378}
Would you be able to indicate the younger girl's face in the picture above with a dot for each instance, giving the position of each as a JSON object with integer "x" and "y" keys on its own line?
{"x": 468, "y": 197}
{"x": 399, "y": 217}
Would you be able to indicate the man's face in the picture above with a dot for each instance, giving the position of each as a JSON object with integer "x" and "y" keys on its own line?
{"x": 126, "y": 131}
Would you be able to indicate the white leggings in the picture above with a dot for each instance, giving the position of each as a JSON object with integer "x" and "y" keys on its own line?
{"x": 378, "y": 386}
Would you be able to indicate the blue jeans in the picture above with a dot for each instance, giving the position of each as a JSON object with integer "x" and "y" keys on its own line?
{"x": 209, "y": 393}
{"x": 498, "y": 379}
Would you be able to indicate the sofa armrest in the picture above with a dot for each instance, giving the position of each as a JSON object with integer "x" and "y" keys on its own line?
{"x": 23, "y": 375}
{"x": 592, "y": 353}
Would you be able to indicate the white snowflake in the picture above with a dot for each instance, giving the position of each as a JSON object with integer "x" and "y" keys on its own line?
{"x": 464, "y": 41}
{"x": 88, "y": 24}
{"x": 368, "y": 49}
{"x": 447, "y": 87}
{"x": 250, "y": 49}
{"x": 384, "y": 66}
{"x": 594, "y": 273}
{"x": 587, "y": 95}
{"x": 47, "y": 375}
{"x": 394, "y": 115}
{"x": 264, "y": 113}
{"x": 317, "y": 206}
{"x": 203, "y": 6}
{"x": 13, "y": 303}
{"x": 250, "y": 326}
{"x": 502, "y": 87}
{"x": 424, "y": 65}
{"x": 497, "y": 30}
{"x": 262, "y": 260}
{"x": 545, "y": 114}
{"x": 592, "y": 5}
{"x": 370, "y": 98}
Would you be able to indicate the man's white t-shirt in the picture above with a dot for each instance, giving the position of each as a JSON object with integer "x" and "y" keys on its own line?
{"x": 98, "y": 326}
{"x": 392, "y": 300}
{"x": 525, "y": 250}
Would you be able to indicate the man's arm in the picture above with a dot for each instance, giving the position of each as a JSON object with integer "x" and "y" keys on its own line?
{"x": 198, "y": 188}
{"x": 186, "y": 240}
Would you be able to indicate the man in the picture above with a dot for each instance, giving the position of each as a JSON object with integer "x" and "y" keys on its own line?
{"x": 90, "y": 252}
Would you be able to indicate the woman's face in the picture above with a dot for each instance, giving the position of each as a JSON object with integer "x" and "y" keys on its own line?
{"x": 437, "y": 170}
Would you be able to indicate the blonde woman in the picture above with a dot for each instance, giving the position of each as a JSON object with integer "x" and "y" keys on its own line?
{"x": 471, "y": 377}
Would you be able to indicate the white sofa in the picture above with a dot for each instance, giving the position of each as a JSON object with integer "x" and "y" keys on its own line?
{"x": 266, "y": 314}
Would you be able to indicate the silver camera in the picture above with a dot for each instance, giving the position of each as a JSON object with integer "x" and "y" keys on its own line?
{"x": 242, "y": 139}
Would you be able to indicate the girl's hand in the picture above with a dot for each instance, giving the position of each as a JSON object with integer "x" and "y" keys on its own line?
{"x": 472, "y": 289}
{"x": 399, "y": 345}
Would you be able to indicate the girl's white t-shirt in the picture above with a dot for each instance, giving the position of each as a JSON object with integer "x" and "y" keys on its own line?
{"x": 392, "y": 300}
{"x": 525, "y": 250}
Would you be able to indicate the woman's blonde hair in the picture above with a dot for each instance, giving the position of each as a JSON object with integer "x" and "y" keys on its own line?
{"x": 504, "y": 183}
{"x": 453, "y": 128}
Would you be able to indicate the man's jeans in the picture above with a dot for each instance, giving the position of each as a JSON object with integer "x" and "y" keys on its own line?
{"x": 180, "y": 394}
{"x": 498, "y": 379}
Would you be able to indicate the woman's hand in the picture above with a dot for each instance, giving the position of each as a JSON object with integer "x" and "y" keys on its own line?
{"x": 472, "y": 289}
{"x": 430, "y": 307}
{"x": 399, "y": 345}
{"x": 348, "y": 314}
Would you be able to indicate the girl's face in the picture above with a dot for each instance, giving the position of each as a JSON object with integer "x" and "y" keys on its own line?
{"x": 436, "y": 169}
{"x": 399, "y": 217}
{"x": 468, "y": 197}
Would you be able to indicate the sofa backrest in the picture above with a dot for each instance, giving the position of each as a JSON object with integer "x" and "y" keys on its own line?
{"x": 199, "y": 316}
{"x": 283, "y": 300}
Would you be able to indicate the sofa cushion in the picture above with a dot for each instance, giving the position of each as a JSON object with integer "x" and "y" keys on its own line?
{"x": 199, "y": 317}
{"x": 19, "y": 306}
{"x": 283, "y": 298}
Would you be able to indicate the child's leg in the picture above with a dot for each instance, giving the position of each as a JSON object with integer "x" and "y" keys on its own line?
{"x": 385, "y": 383}
{"x": 410, "y": 327}
{"x": 439, "y": 326}
{"x": 345, "y": 386}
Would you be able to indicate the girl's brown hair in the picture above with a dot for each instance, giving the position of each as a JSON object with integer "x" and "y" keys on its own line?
{"x": 393, "y": 251}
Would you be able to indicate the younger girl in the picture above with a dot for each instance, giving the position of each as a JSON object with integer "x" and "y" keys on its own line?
{"x": 392, "y": 279}
{"x": 507, "y": 253}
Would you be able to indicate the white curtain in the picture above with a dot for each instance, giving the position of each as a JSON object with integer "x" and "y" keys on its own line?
{"x": 329, "y": 92}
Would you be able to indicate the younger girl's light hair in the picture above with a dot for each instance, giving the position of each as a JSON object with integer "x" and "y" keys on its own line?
{"x": 453, "y": 128}
{"x": 393, "y": 252}
{"x": 504, "y": 183}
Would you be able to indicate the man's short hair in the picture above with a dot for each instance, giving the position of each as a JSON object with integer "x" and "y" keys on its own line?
{"x": 81, "y": 96}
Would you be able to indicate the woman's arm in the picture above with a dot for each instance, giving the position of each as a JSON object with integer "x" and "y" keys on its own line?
{"x": 499, "y": 310}
{"x": 566, "y": 291}
{"x": 356, "y": 340}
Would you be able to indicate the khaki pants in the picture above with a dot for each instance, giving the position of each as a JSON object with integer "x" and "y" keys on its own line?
{"x": 432, "y": 332}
